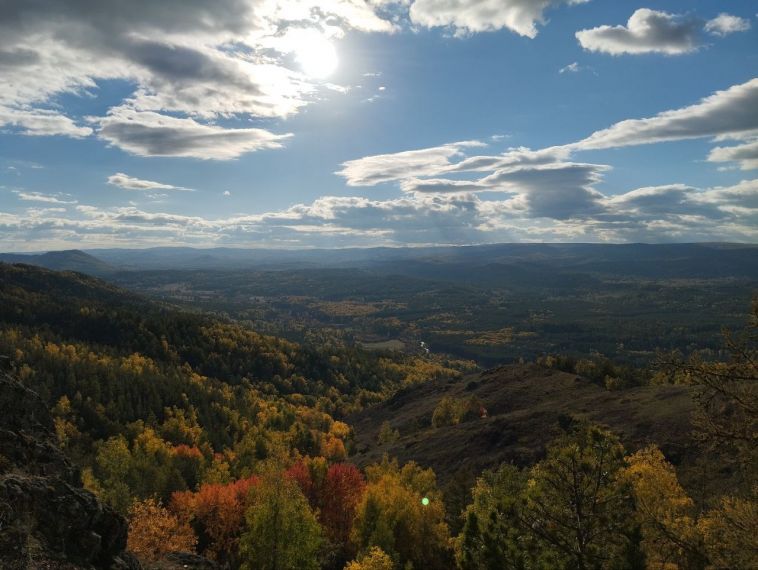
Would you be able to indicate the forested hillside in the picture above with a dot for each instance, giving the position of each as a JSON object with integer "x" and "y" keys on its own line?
{"x": 214, "y": 439}
{"x": 151, "y": 401}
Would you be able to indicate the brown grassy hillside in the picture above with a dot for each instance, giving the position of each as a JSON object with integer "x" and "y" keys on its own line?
{"x": 527, "y": 406}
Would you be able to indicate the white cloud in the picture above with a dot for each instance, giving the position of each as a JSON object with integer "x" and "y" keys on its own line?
{"x": 231, "y": 59}
{"x": 725, "y": 24}
{"x": 570, "y": 68}
{"x": 532, "y": 212}
{"x": 372, "y": 170}
{"x": 130, "y": 183}
{"x": 561, "y": 191}
{"x": 469, "y": 16}
{"x": 725, "y": 114}
{"x": 441, "y": 185}
{"x": 743, "y": 195}
{"x": 546, "y": 184}
{"x": 41, "y": 197}
{"x": 656, "y": 203}
{"x": 647, "y": 31}
{"x": 41, "y": 122}
{"x": 152, "y": 134}
{"x": 746, "y": 155}
{"x": 226, "y": 193}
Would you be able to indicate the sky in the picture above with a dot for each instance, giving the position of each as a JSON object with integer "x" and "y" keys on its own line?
{"x": 357, "y": 123}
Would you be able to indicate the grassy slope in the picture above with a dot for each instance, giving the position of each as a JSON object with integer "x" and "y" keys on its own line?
{"x": 524, "y": 404}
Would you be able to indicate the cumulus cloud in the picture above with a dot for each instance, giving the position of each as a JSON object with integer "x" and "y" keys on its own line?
{"x": 746, "y": 155}
{"x": 127, "y": 182}
{"x": 725, "y": 24}
{"x": 559, "y": 191}
{"x": 469, "y": 16}
{"x": 145, "y": 133}
{"x": 647, "y": 31}
{"x": 661, "y": 202}
{"x": 743, "y": 196}
{"x": 541, "y": 183}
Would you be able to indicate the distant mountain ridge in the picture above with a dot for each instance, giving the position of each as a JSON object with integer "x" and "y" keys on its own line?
{"x": 486, "y": 263}
{"x": 66, "y": 260}
{"x": 664, "y": 260}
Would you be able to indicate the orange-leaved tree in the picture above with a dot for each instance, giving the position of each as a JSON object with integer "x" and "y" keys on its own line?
{"x": 217, "y": 512}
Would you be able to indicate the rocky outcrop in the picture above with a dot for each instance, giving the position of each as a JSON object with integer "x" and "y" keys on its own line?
{"x": 47, "y": 520}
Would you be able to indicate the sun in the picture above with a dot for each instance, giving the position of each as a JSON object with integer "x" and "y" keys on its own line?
{"x": 316, "y": 56}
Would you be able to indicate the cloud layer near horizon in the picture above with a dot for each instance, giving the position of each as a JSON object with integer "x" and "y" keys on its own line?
{"x": 662, "y": 213}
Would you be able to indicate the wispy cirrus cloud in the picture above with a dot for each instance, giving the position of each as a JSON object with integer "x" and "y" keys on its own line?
{"x": 57, "y": 198}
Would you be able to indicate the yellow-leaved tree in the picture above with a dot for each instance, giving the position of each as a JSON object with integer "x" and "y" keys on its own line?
{"x": 374, "y": 559}
{"x": 666, "y": 514}
{"x": 726, "y": 420}
{"x": 154, "y": 531}
{"x": 402, "y": 513}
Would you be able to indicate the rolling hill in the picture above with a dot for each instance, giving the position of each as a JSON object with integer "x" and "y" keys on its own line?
{"x": 527, "y": 407}
{"x": 68, "y": 260}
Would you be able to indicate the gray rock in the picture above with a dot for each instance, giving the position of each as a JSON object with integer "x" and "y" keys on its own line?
{"x": 47, "y": 520}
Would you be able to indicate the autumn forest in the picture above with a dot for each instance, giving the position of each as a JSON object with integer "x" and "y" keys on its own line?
{"x": 238, "y": 447}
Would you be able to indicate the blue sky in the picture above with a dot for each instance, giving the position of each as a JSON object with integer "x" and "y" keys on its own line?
{"x": 295, "y": 123}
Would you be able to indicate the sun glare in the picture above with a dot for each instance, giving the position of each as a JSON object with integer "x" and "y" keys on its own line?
{"x": 317, "y": 57}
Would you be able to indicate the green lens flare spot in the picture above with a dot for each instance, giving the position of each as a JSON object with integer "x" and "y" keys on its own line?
{"x": 425, "y": 501}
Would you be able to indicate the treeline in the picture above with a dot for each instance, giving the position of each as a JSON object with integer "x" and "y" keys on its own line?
{"x": 599, "y": 369}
